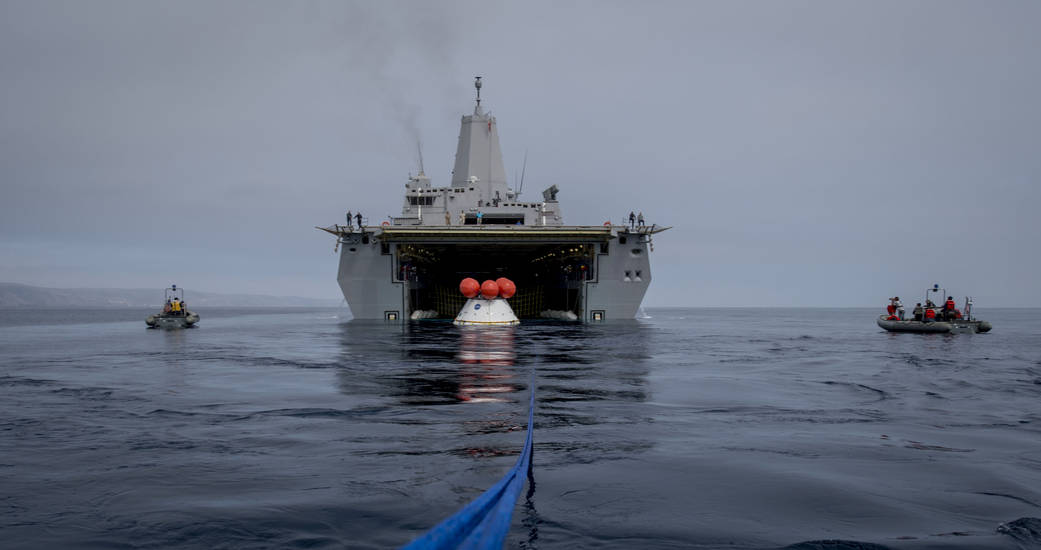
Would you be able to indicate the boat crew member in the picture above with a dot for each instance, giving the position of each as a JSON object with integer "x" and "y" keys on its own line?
{"x": 462, "y": 218}
{"x": 917, "y": 311}
{"x": 175, "y": 306}
{"x": 930, "y": 315}
{"x": 167, "y": 307}
{"x": 350, "y": 221}
{"x": 632, "y": 219}
{"x": 358, "y": 217}
{"x": 899, "y": 307}
{"x": 639, "y": 219}
{"x": 948, "y": 308}
{"x": 448, "y": 218}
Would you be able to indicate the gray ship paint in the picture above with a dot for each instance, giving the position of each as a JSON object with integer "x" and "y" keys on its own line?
{"x": 478, "y": 226}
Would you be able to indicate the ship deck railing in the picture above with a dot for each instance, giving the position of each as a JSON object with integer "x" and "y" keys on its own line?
{"x": 591, "y": 232}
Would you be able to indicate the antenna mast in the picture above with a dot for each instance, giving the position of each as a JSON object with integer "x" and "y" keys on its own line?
{"x": 524, "y": 167}
{"x": 419, "y": 147}
{"x": 477, "y": 84}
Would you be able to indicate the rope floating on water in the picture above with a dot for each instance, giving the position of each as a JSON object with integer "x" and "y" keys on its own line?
{"x": 485, "y": 521}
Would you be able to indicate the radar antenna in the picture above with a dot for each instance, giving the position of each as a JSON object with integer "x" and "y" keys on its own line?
{"x": 477, "y": 84}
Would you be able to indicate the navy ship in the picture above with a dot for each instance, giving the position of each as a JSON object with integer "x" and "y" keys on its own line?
{"x": 410, "y": 266}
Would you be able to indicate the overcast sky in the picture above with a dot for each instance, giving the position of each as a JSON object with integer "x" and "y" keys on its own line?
{"x": 805, "y": 153}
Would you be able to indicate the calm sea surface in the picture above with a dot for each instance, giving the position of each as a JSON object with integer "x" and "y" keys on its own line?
{"x": 693, "y": 428}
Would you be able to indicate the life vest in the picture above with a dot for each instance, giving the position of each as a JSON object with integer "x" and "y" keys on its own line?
{"x": 892, "y": 318}
{"x": 891, "y": 309}
{"x": 957, "y": 314}
{"x": 930, "y": 313}
{"x": 949, "y": 305}
{"x": 176, "y": 306}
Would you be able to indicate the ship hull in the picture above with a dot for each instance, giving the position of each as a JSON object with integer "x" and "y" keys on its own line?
{"x": 598, "y": 273}
{"x": 172, "y": 321}
{"x": 937, "y": 327}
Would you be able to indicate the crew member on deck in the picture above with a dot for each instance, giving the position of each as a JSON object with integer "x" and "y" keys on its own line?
{"x": 632, "y": 220}
{"x": 917, "y": 311}
{"x": 358, "y": 217}
{"x": 350, "y": 221}
{"x": 639, "y": 219}
{"x": 175, "y": 306}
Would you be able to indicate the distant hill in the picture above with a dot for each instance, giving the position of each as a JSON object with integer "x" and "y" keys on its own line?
{"x": 15, "y": 295}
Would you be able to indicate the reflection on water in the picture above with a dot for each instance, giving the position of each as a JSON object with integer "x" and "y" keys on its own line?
{"x": 426, "y": 363}
{"x": 486, "y": 346}
{"x": 586, "y": 376}
{"x": 484, "y": 354}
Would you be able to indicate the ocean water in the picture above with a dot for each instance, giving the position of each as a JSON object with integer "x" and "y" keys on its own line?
{"x": 691, "y": 428}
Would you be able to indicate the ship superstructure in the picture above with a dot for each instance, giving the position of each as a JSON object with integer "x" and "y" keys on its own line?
{"x": 478, "y": 227}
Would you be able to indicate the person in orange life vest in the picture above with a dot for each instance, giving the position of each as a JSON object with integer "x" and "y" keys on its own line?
{"x": 930, "y": 315}
{"x": 948, "y": 308}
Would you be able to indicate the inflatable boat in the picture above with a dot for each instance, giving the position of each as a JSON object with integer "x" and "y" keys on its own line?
{"x": 175, "y": 312}
{"x": 943, "y": 327}
{"x": 958, "y": 325}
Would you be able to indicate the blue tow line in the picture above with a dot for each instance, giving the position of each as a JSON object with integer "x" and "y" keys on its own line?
{"x": 485, "y": 521}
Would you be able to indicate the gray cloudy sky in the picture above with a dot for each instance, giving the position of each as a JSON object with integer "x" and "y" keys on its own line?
{"x": 806, "y": 153}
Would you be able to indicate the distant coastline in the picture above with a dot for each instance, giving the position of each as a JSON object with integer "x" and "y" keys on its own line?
{"x": 20, "y": 296}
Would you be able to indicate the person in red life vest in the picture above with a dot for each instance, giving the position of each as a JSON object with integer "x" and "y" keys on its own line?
{"x": 930, "y": 315}
{"x": 948, "y": 308}
{"x": 896, "y": 308}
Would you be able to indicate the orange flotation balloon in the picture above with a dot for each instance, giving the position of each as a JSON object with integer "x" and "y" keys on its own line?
{"x": 469, "y": 287}
{"x": 506, "y": 287}
{"x": 489, "y": 289}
